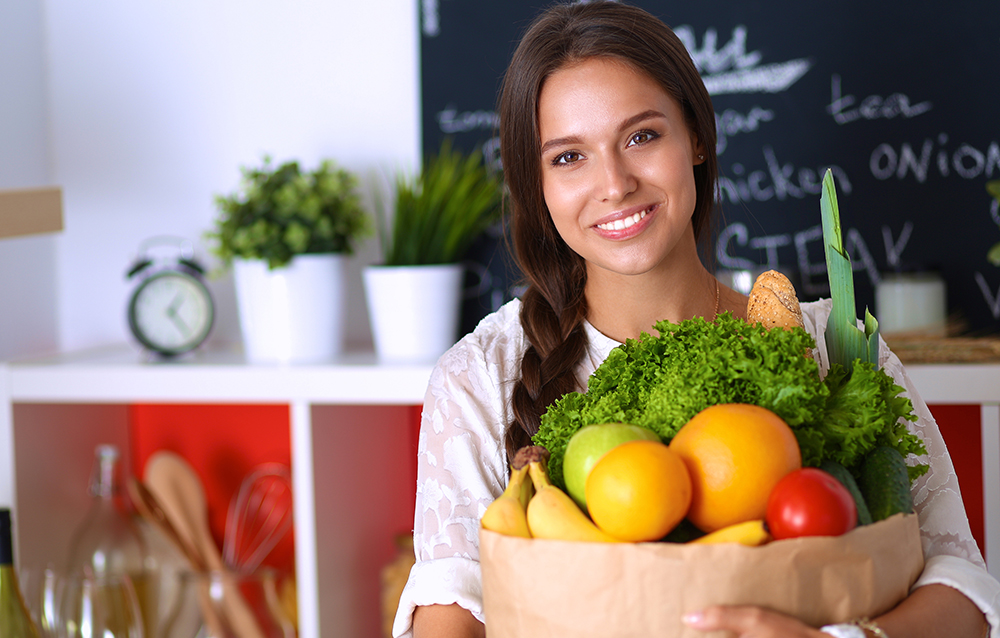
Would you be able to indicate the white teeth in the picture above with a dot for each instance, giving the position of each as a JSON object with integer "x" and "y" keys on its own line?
{"x": 622, "y": 224}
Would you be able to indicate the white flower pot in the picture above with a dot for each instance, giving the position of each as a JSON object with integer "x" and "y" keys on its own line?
{"x": 293, "y": 314}
{"x": 413, "y": 310}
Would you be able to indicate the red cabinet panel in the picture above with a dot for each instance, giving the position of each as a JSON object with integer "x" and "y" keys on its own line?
{"x": 961, "y": 426}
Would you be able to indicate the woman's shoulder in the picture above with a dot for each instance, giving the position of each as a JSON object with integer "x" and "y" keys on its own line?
{"x": 496, "y": 343}
{"x": 499, "y": 332}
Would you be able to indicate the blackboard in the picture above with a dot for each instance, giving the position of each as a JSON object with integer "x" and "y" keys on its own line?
{"x": 900, "y": 98}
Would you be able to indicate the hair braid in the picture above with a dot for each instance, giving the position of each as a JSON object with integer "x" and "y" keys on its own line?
{"x": 556, "y": 343}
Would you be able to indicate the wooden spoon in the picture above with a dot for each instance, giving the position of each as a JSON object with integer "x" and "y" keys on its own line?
{"x": 150, "y": 509}
{"x": 179, "y": 490}
{"x": 153, "y": 511}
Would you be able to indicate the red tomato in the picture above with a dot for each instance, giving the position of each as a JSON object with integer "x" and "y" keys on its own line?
{"x": 810, "y": 502}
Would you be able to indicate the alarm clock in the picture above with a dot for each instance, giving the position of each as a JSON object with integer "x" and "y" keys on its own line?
{"x": 170, "y": 311}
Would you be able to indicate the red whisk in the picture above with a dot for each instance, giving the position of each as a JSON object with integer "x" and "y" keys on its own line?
{"x": 259, "y": 516}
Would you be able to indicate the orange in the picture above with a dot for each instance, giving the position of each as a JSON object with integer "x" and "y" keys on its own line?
{"x": 638, "y": 491}
{"x": 736, "y": 453}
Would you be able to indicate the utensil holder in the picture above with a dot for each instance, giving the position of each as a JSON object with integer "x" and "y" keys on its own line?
{"x": 199, "y": 608}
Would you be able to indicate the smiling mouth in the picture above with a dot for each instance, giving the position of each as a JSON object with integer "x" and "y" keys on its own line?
{"x": 626, "y": 222}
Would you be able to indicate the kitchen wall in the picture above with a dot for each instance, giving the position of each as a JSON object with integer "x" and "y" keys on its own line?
{"x": 28, "y": 298}
{"x": 142, "y": 112}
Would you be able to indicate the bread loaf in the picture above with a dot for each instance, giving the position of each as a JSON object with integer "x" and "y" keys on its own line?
{"x": 773, "y": 303}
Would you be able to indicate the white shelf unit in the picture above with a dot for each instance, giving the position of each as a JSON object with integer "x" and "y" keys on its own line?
{"x": 346, "y": 427}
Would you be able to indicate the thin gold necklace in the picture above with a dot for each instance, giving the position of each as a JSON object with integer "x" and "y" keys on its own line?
{"x": 716, "y": 298}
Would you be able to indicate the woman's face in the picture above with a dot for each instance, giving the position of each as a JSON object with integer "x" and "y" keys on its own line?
{"x": 617, "y": 164}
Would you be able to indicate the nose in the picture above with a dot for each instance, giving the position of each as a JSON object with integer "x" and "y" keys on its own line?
{"x": 617, "y": 179}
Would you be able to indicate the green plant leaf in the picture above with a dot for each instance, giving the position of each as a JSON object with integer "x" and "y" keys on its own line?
{"x": 993, "y": 256}
{"x": 993, "y": 188}
{"x": 439, "y": 212}
{"x": 279, "y": 212}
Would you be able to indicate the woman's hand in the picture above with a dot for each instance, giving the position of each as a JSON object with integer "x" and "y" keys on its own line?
{"x": 931, "y": 611}
{"x": 745, "y": 621}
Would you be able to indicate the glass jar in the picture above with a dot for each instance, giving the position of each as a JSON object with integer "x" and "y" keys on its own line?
{"x": 913, "y": 303}
{"x": 226, "y": 605}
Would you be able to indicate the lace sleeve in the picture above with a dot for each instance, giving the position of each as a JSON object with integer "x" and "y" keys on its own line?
{"x": 461, "y": 469}
{"x": 460, "y": 461}
{"x": 944, "y": 524}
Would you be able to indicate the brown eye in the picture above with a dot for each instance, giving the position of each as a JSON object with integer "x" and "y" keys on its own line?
{"x": 641, "y": 138}
{"x": 568, "y": 157}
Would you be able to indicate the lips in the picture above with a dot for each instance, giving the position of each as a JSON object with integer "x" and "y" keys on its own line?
{"x": 625, "y": 225}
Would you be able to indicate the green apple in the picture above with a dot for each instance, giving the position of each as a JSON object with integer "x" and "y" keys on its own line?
{"x": 588, "y": 445}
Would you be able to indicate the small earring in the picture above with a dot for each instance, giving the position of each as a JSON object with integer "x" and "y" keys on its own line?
{"x": 701, "y": 157}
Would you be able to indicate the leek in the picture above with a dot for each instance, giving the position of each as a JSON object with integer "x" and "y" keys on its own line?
{"x": 845, "y": 342}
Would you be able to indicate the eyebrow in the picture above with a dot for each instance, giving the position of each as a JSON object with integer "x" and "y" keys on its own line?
{"x": 627, "y": 124}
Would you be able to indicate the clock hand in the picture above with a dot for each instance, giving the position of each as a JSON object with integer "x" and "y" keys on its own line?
{"x": 181, "y": 325}
{"x": 175, "y": 305}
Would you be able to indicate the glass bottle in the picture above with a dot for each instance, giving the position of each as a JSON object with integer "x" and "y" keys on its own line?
{"x": 15, "y": 622}
{"x": 108, "y": 543}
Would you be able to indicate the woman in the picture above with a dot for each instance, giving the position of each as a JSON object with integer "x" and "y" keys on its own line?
{"x": 608, "y": 144}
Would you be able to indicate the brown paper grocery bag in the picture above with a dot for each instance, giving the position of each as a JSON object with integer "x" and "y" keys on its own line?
{"x": 535, "y": 588}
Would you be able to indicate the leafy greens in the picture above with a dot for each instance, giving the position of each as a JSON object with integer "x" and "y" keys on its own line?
{"x": 661, "y": 382}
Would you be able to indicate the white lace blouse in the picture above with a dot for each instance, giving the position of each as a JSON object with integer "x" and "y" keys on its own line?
{"x": 462, "y": 468}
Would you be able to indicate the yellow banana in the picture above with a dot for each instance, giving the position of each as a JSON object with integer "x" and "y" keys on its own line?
{"x": 553, "y": 514}
{"x": 750, "y": 533}
{"x": 507, "y": 514}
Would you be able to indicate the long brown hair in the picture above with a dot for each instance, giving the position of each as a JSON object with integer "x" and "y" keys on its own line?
{"x": 554, "y": 307}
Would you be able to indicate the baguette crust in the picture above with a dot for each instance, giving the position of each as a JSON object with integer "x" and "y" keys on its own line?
{"x": 773, "y": 303}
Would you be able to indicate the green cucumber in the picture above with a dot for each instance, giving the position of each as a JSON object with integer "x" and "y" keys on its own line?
{"x": 841, "y": 473}
{"x": 684, "y": 532}
{"x": 885, "y": 483}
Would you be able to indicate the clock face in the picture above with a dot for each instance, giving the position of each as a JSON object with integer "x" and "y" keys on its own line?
{"x": 171, "y": 312}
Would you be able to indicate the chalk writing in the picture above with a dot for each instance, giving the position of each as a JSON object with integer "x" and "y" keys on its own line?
{"x": 779, "y": 181}
{"x": 861, "y": 257}
{"x": 966, "y": 161}
{"x": 731, "y": 69}
{"x": 739, "y": 232}
{"x": 872, "y": 107}
{"x": 810, "y": 259}
{"x": 451, "y": 121}
{"x": 732, "y": 122}
{"x": 711, "y": 59}
{"x": 808, "y": 269}
{"x": 432, "y": 18}
{"x": 894, "y": 248}
{"x": 992, "y": 301}
{"x": 770, "y": 244}
{"x": 854, "y": 244}
{"x": 772, "y": 78}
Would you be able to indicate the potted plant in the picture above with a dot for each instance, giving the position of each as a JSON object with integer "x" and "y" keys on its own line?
{"x": 287, "y": 232}
{"x": 414, "y": 294}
